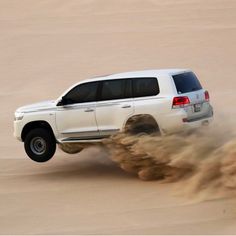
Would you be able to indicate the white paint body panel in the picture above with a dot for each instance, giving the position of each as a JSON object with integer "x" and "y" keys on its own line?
{"x": 76, "y": 118}
{"x": 100, "y": 118}
{"x": 111, "y": 115}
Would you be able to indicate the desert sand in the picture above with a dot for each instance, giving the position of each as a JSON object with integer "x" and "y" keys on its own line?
{"x": 45, "y": 47}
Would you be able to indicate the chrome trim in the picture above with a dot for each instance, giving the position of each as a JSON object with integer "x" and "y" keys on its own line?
{"x": 147, "y": 98}
{"x": 84, "y": 138}
{"x": 76, "y": 106}
{"x": 82, "y": 141}
{"x": 113, "y": 102}
{"x": 90, "y": 138}
{"x": 80, "y": 132}
{"x": 109, "y": 131}
{"x": 91, "y": 132}
{"x": 43, "y": 109}
{"x": 92, "y": 104}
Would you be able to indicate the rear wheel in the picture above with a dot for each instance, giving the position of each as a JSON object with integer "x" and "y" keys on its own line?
{"x": 142, "y": 124}
{"x": 40, "y": 145}
{"x": 143, "y": 129}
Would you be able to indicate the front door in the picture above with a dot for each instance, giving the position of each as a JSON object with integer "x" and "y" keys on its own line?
{"x": 75, "y": 119}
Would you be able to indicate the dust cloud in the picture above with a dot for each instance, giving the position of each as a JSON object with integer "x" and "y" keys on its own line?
{"x": 200, "y": 161}
{"x": 72, "y": 148}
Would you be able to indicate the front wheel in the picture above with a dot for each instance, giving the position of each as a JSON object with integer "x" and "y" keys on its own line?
{"x": 40, "y": 145}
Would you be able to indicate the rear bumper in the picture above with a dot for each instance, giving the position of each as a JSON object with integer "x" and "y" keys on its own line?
{"x": 205, "y": 116}
{"x": 198, "y": 123}
{"x": 178, "y": 121}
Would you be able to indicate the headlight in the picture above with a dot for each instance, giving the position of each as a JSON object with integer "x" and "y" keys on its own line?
{"x": 19, "y": 116}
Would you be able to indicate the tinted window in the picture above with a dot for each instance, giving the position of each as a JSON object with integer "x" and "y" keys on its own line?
{"x": 186, "y": 82}
{"x": 82, "y": 93}
{"x": 145, "y": 87}
{"x": 116, "y": 89}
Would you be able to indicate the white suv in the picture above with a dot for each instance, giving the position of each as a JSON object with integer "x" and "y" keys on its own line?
{"x": 151, "y": 101}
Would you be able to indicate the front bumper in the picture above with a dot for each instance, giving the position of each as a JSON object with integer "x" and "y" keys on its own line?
{"x": 18, "y": 126}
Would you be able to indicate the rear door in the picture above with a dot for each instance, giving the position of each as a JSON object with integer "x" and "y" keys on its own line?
{"x": 187, "y": 84}
{"x": 115, "y": 105}
{"x": 145, "y": 91}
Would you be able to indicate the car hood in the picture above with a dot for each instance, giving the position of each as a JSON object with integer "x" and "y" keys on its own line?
{"x": 45, "y": 105}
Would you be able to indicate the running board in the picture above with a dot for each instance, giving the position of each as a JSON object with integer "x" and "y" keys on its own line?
{"x": 83, "y": 139}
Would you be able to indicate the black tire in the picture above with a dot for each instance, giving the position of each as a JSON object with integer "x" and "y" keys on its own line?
{"x": 142, "y": 124}
{"x": 143, "y": 129}
{"x": 40, "y": 145}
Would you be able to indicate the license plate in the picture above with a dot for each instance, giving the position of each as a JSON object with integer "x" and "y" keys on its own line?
{"x": 197, "y": 107}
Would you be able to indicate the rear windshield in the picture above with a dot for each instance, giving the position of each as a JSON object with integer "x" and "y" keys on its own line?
{"x": 186, "y": 82}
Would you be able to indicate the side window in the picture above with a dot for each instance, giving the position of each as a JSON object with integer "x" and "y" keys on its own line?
{"x": 82, "y": 93}
{"x": 143, "y": 87}
{"x": 116, "y": 89}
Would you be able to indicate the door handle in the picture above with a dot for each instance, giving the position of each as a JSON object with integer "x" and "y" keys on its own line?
{"x": 88, "y": 110}
{"x": 126, "y": 106}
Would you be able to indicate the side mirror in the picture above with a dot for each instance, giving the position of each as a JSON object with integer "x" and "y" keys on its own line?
{"x": 62, "y": 102}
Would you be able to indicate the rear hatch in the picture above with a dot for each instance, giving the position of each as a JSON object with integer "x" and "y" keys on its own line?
{"x": 188, "y": 85}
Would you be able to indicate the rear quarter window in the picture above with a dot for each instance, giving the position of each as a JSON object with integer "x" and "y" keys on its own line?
{"x": 143, "y": 87}
{"x": 186, "y": 82}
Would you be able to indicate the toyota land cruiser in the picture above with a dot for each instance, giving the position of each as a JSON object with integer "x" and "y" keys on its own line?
{"x": 151, "y": 101}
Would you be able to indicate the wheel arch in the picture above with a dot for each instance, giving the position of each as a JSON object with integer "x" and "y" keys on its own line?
{"x": 141, "y": 118}
{"x": 35, "y": 124}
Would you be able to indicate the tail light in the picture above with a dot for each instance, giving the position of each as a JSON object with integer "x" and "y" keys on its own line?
{"x": 207, "y": 96}
{"x": 180, "y": 102}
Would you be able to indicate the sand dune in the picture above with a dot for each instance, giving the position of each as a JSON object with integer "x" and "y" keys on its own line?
{"x": 47, "y": 45}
